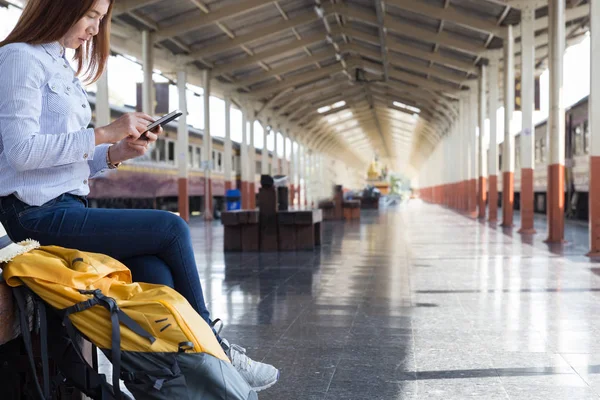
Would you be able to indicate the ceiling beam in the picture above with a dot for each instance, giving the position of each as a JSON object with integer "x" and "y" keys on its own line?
{"x": 203, "y": 50}
{"x": 124, "y": 6}
{"x": 279, "y": 51}
{"x": 285, "y": 68}
{"x": 296, "y": 80}
{"x": 196, "y": 21}
{"x": 399, "y": 47}
{"x": 450, "y": 14}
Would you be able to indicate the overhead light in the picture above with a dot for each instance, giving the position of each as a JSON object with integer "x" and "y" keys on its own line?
{"x": 407, "y": 107}
{"x": 338, "y": 104}
{"x": 324, "y": 109}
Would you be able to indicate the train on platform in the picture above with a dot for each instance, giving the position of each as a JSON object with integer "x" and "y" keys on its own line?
{"x": 577, "y": 162}
{"x": 151, "y": 181}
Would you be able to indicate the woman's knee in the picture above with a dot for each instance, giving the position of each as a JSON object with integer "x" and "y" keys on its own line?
{"x": 176, "y": 226}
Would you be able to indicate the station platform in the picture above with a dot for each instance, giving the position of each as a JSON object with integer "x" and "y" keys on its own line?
{"x": 415, "y": 302}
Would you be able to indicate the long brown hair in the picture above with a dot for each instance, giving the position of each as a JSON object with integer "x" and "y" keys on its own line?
{"x": 46, "y": 21}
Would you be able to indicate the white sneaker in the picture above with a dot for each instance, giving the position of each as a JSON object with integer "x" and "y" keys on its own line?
{"x": 259, "y": 376}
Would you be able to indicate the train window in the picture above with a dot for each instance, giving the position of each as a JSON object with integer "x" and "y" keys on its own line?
{"x": 233, "y": 163}
{"x": 190, "y": 156}
{"x": 259, "y": 166}
{"x": 578, "y": 145}
{"x": 171, "y": 152}
{"x": 220, "y": 161}
{"x": 537, "y": 152}
{"x": 161, "y": 150}
{"x": 586, "y": 137}
{"x": 198, "y": 157}
{"x": 500, "y": 162}
{"x": 543, "y": 150}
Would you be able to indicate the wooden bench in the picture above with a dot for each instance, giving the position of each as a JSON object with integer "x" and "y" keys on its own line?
{"x": 299, "y": 230}
{"x": 241, "y": 230}
{"x": 328, "y": 208}
{"x": 351, "y": 209}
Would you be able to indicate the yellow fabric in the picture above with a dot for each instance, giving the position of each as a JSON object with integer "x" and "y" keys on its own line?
{"x": 56, "y": 274}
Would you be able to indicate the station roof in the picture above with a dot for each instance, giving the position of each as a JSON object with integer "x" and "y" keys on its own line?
{"x": 352, "y": 78}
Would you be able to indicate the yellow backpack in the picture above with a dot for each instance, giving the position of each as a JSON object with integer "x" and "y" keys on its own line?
{"x": 163, "y": 347}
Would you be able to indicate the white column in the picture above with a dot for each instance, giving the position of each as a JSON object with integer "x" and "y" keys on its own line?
{"x": 244, "y": 173}
{"x": 182, "y": 126}
{"x": 527, "y": 138}
{"x": 293, "y": 169}
{"x": 474, "y": 107}
{"x": 102, "y": 100}
{"x": 275, "y": 155}
{"x": 483, "y": 142}
{"x": 227, "y": 165}
{"x": 508, "y": 153}
{"x": 182, "y": 147}
{"x": 284, "y": 163}
{"x": 265, "y": 153}
{"x": 557, "y": 106}
{"x": 251, "y": 156}
{"x": 207, "y": 141}
{"x": 493, "y": 115}
{"x": 148, "y": 67}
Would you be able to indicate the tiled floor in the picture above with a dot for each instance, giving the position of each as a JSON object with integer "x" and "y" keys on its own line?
{"x": 415, "y": 302}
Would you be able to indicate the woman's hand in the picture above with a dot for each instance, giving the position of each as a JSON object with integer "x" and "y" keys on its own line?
{"x": 130, "y": 126}
{"x": 129, "y": 148}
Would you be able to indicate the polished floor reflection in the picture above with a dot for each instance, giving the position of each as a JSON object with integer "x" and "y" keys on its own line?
{"x": 415, "y": 302}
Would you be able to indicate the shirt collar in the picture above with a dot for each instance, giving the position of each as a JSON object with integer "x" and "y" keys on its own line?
{"x": 55, "y": 49}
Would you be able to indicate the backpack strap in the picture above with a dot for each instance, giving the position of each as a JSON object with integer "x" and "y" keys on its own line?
{"x": 19, "y": 293}
{"x": 117, "y": 316}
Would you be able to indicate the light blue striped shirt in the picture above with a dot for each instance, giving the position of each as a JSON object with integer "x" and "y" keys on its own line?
{"x": 46, "y": 147}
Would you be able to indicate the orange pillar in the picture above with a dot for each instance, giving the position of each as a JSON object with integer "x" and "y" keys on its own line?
{"x": 594, "y": 204}
{"x": 183, "y": 200}
{"x": 508, "y": 198}
{"x": 527, "y": 209}
{"x": 493, "y": 200}
{"x": 556, "y": 203}
{"x": 482, "y": 196}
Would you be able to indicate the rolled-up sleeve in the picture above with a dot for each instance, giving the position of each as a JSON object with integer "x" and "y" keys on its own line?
{"x": 20, "y": 110}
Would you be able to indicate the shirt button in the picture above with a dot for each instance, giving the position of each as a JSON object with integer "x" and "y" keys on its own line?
{"x": 85, "y": 182}
{"x": 85, "y": 155}
{"x": 84, "y": 106}
{"x": 68, "y": 88}
{"x": 53, "y": 87}
{"x": 65, "y": 65}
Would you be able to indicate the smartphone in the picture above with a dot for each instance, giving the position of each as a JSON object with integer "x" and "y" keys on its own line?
{"x": 162, "y": 121}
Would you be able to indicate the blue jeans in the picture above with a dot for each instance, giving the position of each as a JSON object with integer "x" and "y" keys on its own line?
{"x": 155, "y": 245}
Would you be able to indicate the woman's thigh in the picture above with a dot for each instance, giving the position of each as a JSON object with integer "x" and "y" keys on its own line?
{"x": 120, "y": 234}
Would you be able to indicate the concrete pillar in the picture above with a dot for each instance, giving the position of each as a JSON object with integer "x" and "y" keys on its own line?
{"x": 284, "y": 158}
{"x": 482, "y": 141}
{"x": 594, "y": 127}
{"x": 265, "y": 153}
{"x": 244, "y": 172}
{"x": 556, "y": 133}
{"x": 207, "y": 142}
{"x": 292, "y": 173}
{"x": 493, "y": 155}
{"x": 228, "y": 179}
{"x": 148, "y": 94}
{"x": 182, "y": 147}
{"x": 527, "y": 132}
{"x": 508, "y": 150}
{"x": 275, "y": 159}
{"x": 473, "y": 112}
{"x": 466, "y": 143}
{"x": 252, "y": 168}
{"x": 301, "y": 175}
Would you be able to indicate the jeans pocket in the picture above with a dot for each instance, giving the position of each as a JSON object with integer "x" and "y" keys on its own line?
{"x": 25, "y": 209}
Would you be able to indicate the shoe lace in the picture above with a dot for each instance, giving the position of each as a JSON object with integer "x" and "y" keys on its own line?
{"x": 239, "y": 357}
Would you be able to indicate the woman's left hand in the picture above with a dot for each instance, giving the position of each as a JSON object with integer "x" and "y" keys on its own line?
{"x": 127, "y": 148}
